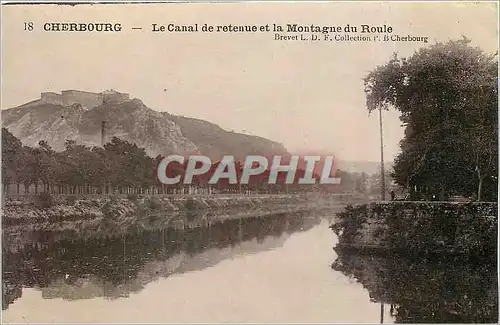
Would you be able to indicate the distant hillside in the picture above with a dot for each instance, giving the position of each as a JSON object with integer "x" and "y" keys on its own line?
{"x": 214, "y": 141}
{"x": 369, "y": 167}
{"x": 157, "y": 132}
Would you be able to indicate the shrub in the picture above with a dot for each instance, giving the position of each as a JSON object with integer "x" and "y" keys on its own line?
{"x": 153, "y": 204}
{"x": 44, "y": 200}
{"x": 106, "y": 208}
{"x": 190, "y": 204}
{"x": 132, "y": 197}
{"x": 350, "y": 220}
{"x": 70, "y": 200}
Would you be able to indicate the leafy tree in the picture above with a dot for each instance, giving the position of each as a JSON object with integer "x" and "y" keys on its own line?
{"x": 135, "y": 166}
{"x": 447, "y": 95}
{"x": 121, "y": 166}
{"x": 46, "y": 164}
{"x": 11, "y": 147}
{"x": 26, "y": 168}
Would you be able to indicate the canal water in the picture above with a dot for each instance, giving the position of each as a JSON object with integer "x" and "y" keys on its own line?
{"x": 279, "y": 268}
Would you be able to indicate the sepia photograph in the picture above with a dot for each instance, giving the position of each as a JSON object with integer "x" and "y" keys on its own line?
{"x": 250, "y": 162}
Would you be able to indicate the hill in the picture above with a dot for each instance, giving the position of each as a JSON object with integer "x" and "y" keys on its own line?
{"x": 55, "y": 121}
{"x": 369, "y": 167}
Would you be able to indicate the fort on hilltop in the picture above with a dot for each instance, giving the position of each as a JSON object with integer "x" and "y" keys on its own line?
{"x": 86, "y": 99}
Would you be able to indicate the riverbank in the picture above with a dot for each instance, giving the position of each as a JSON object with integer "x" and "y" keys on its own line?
{"x": 63, "y": 208}
{"x": 413, "y": 229}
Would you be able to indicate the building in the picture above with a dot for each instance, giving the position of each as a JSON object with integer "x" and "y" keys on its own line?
{"x": 87, "y": 99}
{"x": 112, "y": 96}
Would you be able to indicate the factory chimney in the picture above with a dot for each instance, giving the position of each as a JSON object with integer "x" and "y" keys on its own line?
{"x": 103, "y": 133}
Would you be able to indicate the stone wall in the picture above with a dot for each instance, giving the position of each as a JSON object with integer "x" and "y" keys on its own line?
{"x": 52, "y": 98}
{"x": 420, "y": 228}
{"x": 86, "y": 99}
{"x": 21, "y": 209}
{"x": 114, "y": 97}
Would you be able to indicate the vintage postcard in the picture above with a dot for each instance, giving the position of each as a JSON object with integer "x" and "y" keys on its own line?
{"x": 251, "y": 162}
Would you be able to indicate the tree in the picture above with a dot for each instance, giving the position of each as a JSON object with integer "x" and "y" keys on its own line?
{"x": 362, "y": 183}
{"x": 46, "y": 165}
{"x": 26, "y": 168}
{"x": 447, "y": 95}
{"x": 124, "y": 167}
{"x": 11, "y": 147}
{"x": 135, "y": 167}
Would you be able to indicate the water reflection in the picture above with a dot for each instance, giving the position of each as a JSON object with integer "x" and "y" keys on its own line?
{"x": 113, "y": 263}
{"x": 427, "y": 291}
{"x": 76, "y": 272}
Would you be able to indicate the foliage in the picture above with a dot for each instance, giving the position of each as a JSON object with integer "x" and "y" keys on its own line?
{"x": 152, "y": 204}
{"x": 119, "y": 166}
{"x": 374, "y": 187}
{"x": 447, "y": 95}
{"x": 350, "y": 222}
{"x": 132, "y": 197}
{"x": 44, "y": 200}
{"x": 122, "y": 167}
{"x": 190, "y": 204}
{"x": 111, "y": 208}
{"x": 70, "y": 200}
{"x": 11, "y": 149}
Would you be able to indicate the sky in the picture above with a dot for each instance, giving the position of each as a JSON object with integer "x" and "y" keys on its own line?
{"x": 307, "y": 95}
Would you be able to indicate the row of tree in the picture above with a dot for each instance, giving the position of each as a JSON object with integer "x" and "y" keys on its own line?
{"x": 123, "y": 167}
{"x": 447, "y": 95}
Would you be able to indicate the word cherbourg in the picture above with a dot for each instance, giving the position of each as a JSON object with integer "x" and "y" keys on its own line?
{"x": 261, "y": 162}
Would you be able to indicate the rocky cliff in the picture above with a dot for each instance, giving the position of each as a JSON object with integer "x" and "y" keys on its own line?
{"x": 130, "y": 120}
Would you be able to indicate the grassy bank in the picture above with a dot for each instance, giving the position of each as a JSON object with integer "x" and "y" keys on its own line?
{"x": 54, "y": 209}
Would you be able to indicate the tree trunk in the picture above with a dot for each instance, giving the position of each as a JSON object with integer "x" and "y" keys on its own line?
{"x": 479, "y": 189}
{"x": 480, "y": 177}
